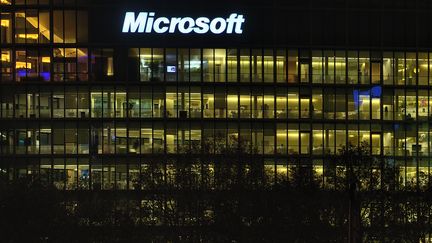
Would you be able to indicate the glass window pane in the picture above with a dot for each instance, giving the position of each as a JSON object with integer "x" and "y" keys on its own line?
{"x": 5, "y": 28}
{"x": 82, "y": 64}
{"x": 145, "y": 64}
{"x": 317, "y": 66}
{"x": 183, "y": 65}
{"x": 157, "y": 65}
{"x": 340, "y": 66}
{"x": 245, "y": 65}
{"x": 364, "y": 67}
{"x": 353, "y": 67}
{"x": 171, "y": 62}
{"x": 423, "y": 68}
{"x": 399, "y": 66}
{"x": 44, "y": 27}
{"x": 268, "y": 66}
{"x": 69, "y": 26}
{"x": 411, "y": 68}
{"x": 220, "y": 65}
{"x": 20, "y": 34}
{"x": 6, "y": 65}
{"x": 195, "y": 65}
{"x": 388, "y": 65}
{"x": 292, "y": 66}
{"x": 232, "y": 65}
{"x": 257, "y": 65}
{"x": 32, "y": 26}
{"x": 281, "y": 66}
{"x": 208, "y": 65}
{"x": 329, "y": 67}
{"x": 82, "y": 27}
{"x": 58, "y": 26}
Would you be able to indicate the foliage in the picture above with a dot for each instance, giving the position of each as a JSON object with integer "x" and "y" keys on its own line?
{"x": 227, "y": 198}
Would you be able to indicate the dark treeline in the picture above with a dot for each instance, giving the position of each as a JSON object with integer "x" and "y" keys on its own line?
{"x": 234, "y": 200}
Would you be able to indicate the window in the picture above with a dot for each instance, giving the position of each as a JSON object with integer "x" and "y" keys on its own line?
{"x": 364, "y": 67}
{"x": 269, "y": 138}
{"x": 245, "y": 104}
{"x": 208, "y": 103}
{"x": 166, "y": 118}
{"x": 102, "y": 65}
{"x": 293, "y": 103}
{"x": 257, "y": 65}
{"x": 32, "y": 65}
{"x": 340, "y": 102}
{"x": 317, "y": 104}
{"x": 340, "y": 61}
{"x": 411, "y": 105}
{"x": 411, "y": 68}
{"x": 268, "y": 104}
{"x": 305, "y": 142}
{"x": 423, "y": 107}
{"x": 364, "y": 104}
{"x": 388, "y": 107}
{"x": 6, "y": 65}
{"x": 82, "y": 26}
{"x": 281, "y": 104}
{"x": 317, "y": 139}
{"x": 292, "y": 66}
{"x": 317, "y": 67}
{"x": 399, "y": 65}
{"x": 268, "y": 62}
{"x": 220, "y": 65}
{"x": 305, "y": 106}
{"x": 305, "y": 66}
{"x": 70, "y": 64}
{"x": 399, "y": 99}
{"x": 172, "y": 65}
{"x": 232, "y": 65}
{"x": 208, "y": 65}
{"x": 232, "y": 99}
{"x": 70, "y": 26}
{"x": 183, "y": 60}
{"x": 5, "y": 28}
{"x": 151, "y": 64}
{"x": 133, "y": 103}
{"x": 423, "y": 68}
{"x": 28, "y": 2}
{"x": 388, "y": 66}
{"x": 293, "y": 139}
{"x": 245, "y": 65}
{"x": 195, "y": 65}
{"x": 329, "y": 67}
{"x": 220, "y": 103}
{"x": 32, "y": 26}
{"x": 353, "y": 67}
{"x": 329, "y": 104}
{"x": 145, "y": 64}
{"x": 195, "y": 102}
{"x": 281, "y": 66}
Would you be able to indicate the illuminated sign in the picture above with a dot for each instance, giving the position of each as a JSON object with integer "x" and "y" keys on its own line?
{"x": 146, "y": 22}
{"x": 171, "y": 69}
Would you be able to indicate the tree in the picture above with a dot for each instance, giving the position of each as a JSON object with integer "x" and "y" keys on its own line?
{"x": 220, "y": 190}
{"x": 32, "y": 211}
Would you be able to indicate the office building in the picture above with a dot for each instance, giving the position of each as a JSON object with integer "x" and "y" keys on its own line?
{"x": 89, "y": 100}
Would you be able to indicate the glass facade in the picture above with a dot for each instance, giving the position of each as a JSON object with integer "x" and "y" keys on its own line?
{"x": 83, "y": 116}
